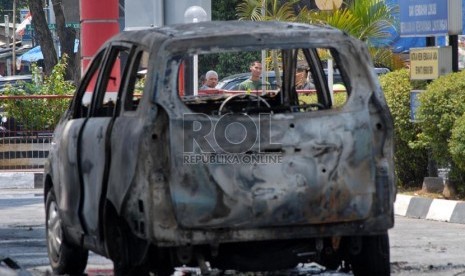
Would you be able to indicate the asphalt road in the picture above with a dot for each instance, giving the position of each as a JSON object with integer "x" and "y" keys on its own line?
{"x": 427, "y": 247}
{"x": 22, "y": 234}
{"x": 418, "y": 247}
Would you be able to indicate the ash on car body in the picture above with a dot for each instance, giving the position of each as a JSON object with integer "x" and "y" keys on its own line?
{"x": 153, "y": 172}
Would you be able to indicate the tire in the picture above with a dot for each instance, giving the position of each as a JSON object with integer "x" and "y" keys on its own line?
{"x": 373, "y": 256}
{"x": 118, "y": 244}
{"x": 64, "y": 257}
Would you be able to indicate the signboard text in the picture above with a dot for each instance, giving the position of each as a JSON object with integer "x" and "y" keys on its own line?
{"x": 423, "y": 17}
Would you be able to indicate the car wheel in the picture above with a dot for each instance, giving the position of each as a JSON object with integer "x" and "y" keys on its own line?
{"x": 373, "y": 256}
{"x": 118, "y": 244}
{"x": 64, "y": 257}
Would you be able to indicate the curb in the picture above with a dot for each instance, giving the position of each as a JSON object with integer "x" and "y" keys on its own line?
{"x": 21, "y": 180}
{"x": 428, "y": 208}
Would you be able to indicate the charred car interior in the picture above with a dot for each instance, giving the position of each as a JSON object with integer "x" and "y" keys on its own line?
{"x": 153, "y": 171}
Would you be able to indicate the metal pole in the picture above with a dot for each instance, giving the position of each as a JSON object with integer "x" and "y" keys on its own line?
{"x": 454, "y": 43}
{"x": 196, "y": 71}
{"x": 7, "y": 35}
{"x": 331, "y": 79}
{"x": 7, "y": 30}
{"x": 14, "y": 39}
{"x": 99, "y": 21}
{"x": 264, "y": 74}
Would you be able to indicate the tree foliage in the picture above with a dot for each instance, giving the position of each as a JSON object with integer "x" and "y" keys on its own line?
{"x": 6, "y": 7}
{"x": 274, "y": 10}
{"x": 226, "y": 64}
{"x": 43, "y": 35}
{"x": 457, "y": 142}
{"x": 372, "y": 21}
{"x": 224, "y": 10}
{"x": 410, "y": 163}
{"x": 67, "y": 36}
{"x": 442, "y": 103}
{"x": 442, "y": 106}
{"x": 41, "y": 113}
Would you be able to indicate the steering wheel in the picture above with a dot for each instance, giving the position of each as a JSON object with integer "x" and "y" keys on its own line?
{"x": 230, "y": 98}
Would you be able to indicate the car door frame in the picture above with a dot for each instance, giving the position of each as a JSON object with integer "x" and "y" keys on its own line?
{"x": 127, "y": 122}
{"x": 93, "y": 228}
{"x": 66, "y": 171}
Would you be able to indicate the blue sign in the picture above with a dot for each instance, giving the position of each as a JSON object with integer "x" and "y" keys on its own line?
{"x": 423, "y": 17}
{"x": 27, "y": 36}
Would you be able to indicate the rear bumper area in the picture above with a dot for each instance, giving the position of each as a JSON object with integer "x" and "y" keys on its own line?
{"x": 168, "y": 237}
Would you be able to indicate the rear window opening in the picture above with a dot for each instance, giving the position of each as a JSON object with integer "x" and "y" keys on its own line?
{"x": 268, "y": 81}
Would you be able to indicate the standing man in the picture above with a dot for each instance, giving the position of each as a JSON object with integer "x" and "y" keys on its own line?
{"x": 254, "y": 82}
{"x": 211, "y": 80}
{"x": 302, "y": 79}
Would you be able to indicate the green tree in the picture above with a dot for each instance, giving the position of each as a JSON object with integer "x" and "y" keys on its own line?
{"x": 442, "y": 106}
{"x": 225, "y": 64}
{"x": 371, "y": 21}
{"x": 410, "y": 163}
{"x": 274, "y": 10}
{"x": 66, "y": 36}
{"x": 43, "y": 35}
{"x": 40, "y": 113}
{"x": 224, "y": 10}
{"x": 6, "y": 7}
{"x": 368, "y": 20}
{"x": 45, "y": 39}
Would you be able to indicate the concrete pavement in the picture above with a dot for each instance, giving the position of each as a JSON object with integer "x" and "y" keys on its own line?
{"x": 405, "y": 205}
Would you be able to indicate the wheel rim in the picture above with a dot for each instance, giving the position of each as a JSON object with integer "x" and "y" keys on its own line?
{"x": 54, "y": 233}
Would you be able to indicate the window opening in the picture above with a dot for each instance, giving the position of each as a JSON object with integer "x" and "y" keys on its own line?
{"x": 295, "y": 80}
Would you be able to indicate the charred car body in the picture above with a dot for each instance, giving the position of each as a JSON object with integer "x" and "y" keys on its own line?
{"x": 258, "y": 180}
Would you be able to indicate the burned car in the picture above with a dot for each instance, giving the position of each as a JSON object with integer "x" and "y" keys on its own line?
{"x": 150, "y": 172}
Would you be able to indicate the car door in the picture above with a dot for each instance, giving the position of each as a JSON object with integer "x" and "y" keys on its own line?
{"x": 128, "y": 129}
{"x": 66, "y": 171}
{"x": 94, "y": 154}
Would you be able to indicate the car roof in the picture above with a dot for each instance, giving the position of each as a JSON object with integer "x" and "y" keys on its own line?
{"x": 231, "y": 32}
{"x": 382, "y": 70}
{"x": 243, "y": 75}
{"x": 378, "y": 70}
{"x": 235, "y": 76}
